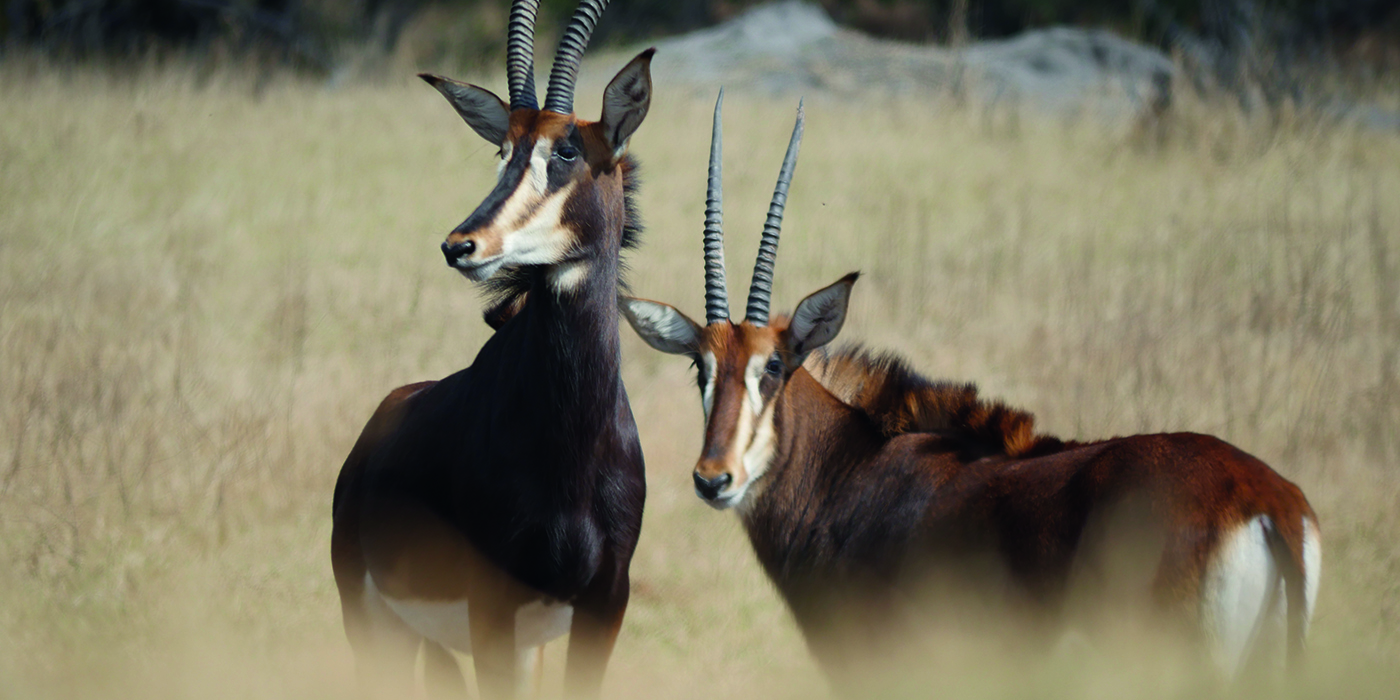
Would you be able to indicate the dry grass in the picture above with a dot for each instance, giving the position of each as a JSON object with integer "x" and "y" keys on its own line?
{"x": 205, "y": 289}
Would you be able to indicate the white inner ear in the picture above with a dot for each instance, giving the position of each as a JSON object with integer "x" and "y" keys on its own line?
{"x": 707, "y": 392}
{"x": 752, "y": 373}
{"x": 662, "y": 326}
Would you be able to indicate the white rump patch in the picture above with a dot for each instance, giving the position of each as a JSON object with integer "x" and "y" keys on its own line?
{"x": 446, "y": 623}
{"x": 1312, "y": 569}
{"x": 1242, "y": 594}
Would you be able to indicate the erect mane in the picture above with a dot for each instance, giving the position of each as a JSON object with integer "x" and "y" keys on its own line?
{"x": 899, "y": 400}
{"x": 505, "y": 291}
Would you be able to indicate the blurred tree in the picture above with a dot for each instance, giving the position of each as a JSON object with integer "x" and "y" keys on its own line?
{"x": 301, "y": 31}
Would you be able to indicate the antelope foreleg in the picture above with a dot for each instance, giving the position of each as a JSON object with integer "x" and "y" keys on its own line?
{"x": 492, "y": 623}
{"x": 442, "y": 677}
{"x": 597, "y": 620}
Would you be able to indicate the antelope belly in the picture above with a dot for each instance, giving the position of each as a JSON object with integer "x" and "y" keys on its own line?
{"x": 446, "y": 622}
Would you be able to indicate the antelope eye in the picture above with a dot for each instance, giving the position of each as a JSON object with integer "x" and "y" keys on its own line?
{"x": 566, "y": 152}
{"x": 775, "y": 367}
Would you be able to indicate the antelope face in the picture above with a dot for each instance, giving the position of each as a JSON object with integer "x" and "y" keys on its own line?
{"x": 558, "y": 180}
{"x": 743, "y": 370}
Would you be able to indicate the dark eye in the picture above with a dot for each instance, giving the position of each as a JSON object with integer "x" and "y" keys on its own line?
{"x": 775, "y": 367}
{"x": 566, "y": 152}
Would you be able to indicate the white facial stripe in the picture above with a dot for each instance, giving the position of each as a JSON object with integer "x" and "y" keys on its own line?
{"x": 538, "y": 174}
{"x": 707, "y": 393}
{"x": 743, "y": 431}
{"x": 540, "y": 240}
{"x": 506, "y": 149}
{"x": 523, "y": 197}
{"x": 752, "y": 373}
{"x": 759, "y": 454}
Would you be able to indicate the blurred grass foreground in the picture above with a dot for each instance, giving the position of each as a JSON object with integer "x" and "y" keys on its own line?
{"x": 208, "y": 281}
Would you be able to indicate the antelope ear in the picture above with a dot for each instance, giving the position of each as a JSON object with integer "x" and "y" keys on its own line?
{"x": 485, "y": 113}
{"x": 662, "y": 326}
{"x": 819, "y": 317}
{"x": 626, "y": 101}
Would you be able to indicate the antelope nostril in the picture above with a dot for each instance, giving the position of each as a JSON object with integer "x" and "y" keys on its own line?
{"x": 710, "y": 488}
{"x": 453, "y": 253}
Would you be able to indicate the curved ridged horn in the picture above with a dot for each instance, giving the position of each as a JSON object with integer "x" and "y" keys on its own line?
{"x": 761, "y": 290}
{"x": 562, "y": 77}
{"x": 520, "y": 54}
{"x": 716, "y": 296}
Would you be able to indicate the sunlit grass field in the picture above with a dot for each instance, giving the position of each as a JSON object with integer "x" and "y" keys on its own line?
{"x": 208, "y": 282}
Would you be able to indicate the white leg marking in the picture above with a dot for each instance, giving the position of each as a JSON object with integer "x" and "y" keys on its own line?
{"x": 526, "y": 670}
{"x": 1240, "y": 581}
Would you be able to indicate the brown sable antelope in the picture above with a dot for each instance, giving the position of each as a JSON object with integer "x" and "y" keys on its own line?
{"x": 859, "y": 482}
{"x": 513, "y": 489}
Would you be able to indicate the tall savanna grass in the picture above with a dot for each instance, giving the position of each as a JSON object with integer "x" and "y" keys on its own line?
{"x": 208, "y": 282}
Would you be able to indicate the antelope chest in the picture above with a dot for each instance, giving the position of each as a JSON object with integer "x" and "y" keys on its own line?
{"x": 446, "y": 621}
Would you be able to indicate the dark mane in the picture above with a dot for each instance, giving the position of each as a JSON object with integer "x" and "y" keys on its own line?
{"x": 899, "y": 400}
{"x": 505, "y": 292}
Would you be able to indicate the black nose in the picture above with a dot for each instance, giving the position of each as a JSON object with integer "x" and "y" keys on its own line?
{"x": 710, "y": 488}
{"x": 453, "y": 253}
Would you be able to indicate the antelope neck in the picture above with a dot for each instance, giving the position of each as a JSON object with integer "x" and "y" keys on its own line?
{"x": 575, "y": 341}
{"x": 806, "y": 420}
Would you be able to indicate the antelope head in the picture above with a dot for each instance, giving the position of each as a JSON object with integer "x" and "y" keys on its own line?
{"x": 559, "y": 198}
{"x": 743, "y": 367}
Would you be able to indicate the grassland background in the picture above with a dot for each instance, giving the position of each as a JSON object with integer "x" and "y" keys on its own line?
{"x": 208, "y": 282}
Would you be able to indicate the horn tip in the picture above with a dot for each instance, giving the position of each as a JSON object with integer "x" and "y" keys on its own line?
{"x": 431, "y": 79}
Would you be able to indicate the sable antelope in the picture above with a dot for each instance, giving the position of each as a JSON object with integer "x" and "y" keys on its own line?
{"x": 858, "y": 481}
{"x": 512, "y": 489}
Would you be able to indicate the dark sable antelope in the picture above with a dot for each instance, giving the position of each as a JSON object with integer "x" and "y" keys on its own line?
{"x": 512, "y": 489}
{"x": 860, "y": 482}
